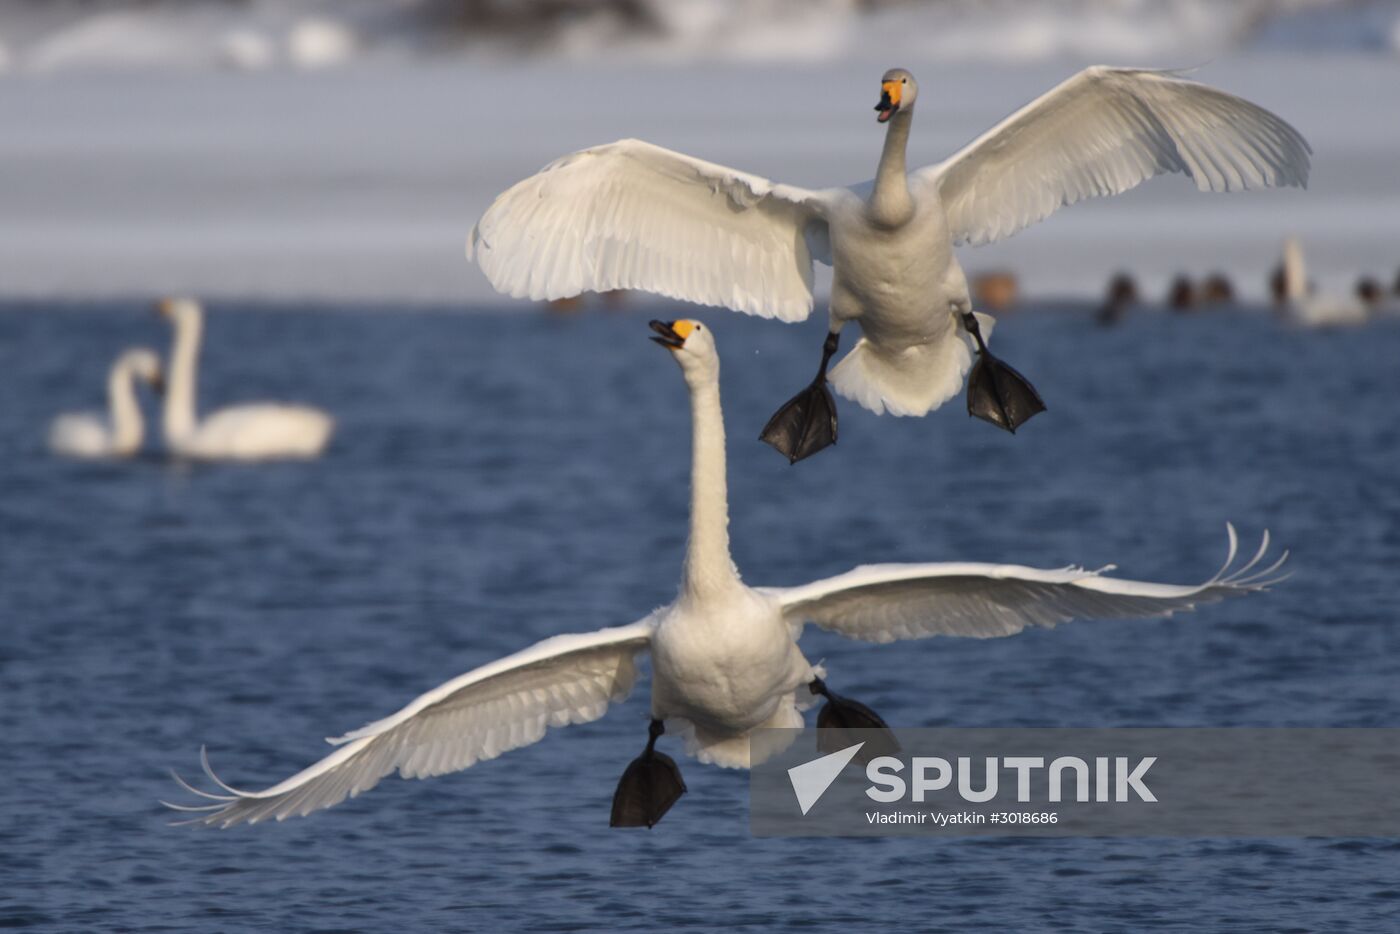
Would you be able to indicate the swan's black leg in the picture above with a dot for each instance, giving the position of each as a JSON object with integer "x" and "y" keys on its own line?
{"x": 651, "y": 784}
{"x": 995, "y": 392}
{"x": 807, "y": 422}
{"x": 839, "y": 715}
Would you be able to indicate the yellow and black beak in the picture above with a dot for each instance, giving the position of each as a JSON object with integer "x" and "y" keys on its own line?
{"x": 889, "y": 100}
{"x": 673, "y": 333}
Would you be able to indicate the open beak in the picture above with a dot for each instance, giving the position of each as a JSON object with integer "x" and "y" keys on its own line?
{"x": 889, "y": 100}
{"x": 669, "y": 338}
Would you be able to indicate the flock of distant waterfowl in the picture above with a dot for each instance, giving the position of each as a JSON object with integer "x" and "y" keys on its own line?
{"x": 262, "y": 431}
{"x": 725, "y": 659}
{"x": 1295, "y": 299}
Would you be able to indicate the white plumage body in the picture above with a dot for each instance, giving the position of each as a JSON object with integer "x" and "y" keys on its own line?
{"x": 904, "y": 286}
{"x": 259, "y": 431}
{"x": 726, "y": 666}
{"x": 84, "y": 435}
{"x": 896, "y": 281}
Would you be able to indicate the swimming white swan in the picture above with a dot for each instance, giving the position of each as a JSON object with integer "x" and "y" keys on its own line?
{"x": 630, "y": 215}
{"x": 263, "y": 431}
{"x": 86, "y": 434}
{"x": 1301, "y": 305}
{"x": 725, "y": 659}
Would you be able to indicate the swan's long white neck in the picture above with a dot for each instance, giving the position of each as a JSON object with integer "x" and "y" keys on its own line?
{"x": 709, "y": 570}
{"x": 1295, "y": 273}
{"x": 890, "y": 203}
{"x": 127, "y": 426}
{"x": 180, "y": 396}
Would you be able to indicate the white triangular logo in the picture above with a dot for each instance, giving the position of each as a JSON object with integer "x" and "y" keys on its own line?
{"x": 810, "y": 780}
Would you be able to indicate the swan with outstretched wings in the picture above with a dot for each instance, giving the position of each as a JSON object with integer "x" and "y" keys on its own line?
{"x": 725, "y": 657}
{"x": 631, "y": 215}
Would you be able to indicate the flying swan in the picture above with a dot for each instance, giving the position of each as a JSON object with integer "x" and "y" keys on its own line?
{"x": 263, "y": 431}
{"x": 630, "y": 215}
{"x": 724, "y": 655}
{"x": 87, "y": 435}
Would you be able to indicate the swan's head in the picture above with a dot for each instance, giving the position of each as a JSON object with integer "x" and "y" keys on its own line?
{"x": 897, "y": 92}
{"x": 179, "y": 310}
{"x": 691, "y": 343}
{"x": 144, "y": 365}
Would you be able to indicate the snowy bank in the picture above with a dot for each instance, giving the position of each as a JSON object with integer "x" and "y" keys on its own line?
{"x": 362, "y": 183}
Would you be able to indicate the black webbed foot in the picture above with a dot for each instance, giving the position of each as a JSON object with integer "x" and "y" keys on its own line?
{"x": 839, "y": 715}
{"x": 996, "y": 393}
{"x": 804, "y": 425}
{"x": 648, "y": 788}
{"x": 807, "y": 422}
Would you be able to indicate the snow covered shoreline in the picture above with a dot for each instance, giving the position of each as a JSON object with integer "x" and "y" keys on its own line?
{"x": 49, "y": 36}
{"x": 361, "y": 184}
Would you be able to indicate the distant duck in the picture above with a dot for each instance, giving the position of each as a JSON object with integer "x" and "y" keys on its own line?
{"x": 263, "y": 431}
{"x": 1183, "y": 295}
{"x": 1379, "y": 303}
{"x": 565, "y": 306}
{"x": 1368, "y": 291}
{"x": 1298, "y": 302}
{"x": 996, "y": 290}
{"x": 1218, "y": 290}
{"x": 88, "y": 435}
{"x": 1122, "y": 294}
{"x": 611, "y": 300}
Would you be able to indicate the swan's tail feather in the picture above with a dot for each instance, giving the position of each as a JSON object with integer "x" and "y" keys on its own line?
{"x": 746, "y": 750}
{"x": 912, "y": 381}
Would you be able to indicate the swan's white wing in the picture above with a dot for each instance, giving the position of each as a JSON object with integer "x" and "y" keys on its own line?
{"x": 630, "y": 215}
{"x": 881, "y": 603}
{"x": 479, "y": 715}
{"x": 1102, "y": 132}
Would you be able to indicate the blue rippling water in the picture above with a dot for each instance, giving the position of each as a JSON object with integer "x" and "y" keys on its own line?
{"x": 500, "y": 478}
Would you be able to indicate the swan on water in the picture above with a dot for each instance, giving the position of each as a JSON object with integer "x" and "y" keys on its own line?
{"x": 631, "y": 215}
{"x": 724, "y": 656}
{"x": 1302, "y": 305}
{"x": 261, "y": 431}
{"x": 87, "y": 434}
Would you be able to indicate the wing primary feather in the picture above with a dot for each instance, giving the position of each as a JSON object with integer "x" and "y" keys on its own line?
{"x": 209, "y": 770}
{"x": 476, "y": 716}
{"x": 191, "y": 808}
{"x": 180, "y": 780}
{"x": 1103, "y": 132}
{"x": 885, "y": 602}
